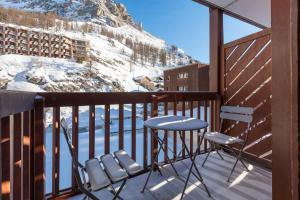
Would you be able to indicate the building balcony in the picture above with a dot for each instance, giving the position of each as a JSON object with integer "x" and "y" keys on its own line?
{"x": 23, "y": 34}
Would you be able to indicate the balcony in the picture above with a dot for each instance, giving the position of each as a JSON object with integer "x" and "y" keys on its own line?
{"x": 260, "y": 71}
{"x": 30, "y": 111}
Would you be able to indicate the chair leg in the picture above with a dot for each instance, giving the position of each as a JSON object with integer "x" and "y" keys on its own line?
{"x": 210, "y": 149}
{"x": 159, "y": 171}
{"x": 85, "y": 197}
{"x": 219, "y": 154}
{"x": 244, "y": 164}
{"x": 114, "y": 192}
{"x": 120, "y": 189}
{"x": 228, "y": 180}
{"x": 88, "y": 194}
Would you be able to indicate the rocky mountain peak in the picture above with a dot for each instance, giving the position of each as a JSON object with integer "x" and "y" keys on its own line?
{"x": 107, "y": 11}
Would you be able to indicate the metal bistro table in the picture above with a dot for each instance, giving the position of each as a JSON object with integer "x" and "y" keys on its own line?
{"x": 180, "y": 124}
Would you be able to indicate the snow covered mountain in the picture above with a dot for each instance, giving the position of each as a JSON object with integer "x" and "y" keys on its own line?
{"x": 120, "y": 49}
{"x": 114, "y": 14}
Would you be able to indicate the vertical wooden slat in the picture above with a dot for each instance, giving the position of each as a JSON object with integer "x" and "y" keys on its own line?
{"x": 205, "y": 119}
{"x": 183, "y": 132}
{"x": 31, "y": 152}
{"x": 191, "y": 132}
{"x": 17, "y": 162}
{"x": 75, "y": 124}
{"x": 175, "y": 133}
{"x": 26, "y": 156}
{"x": 217, "y": 114}
{"x": 198, "y": 117}
{"x": 55, "y": 150}
{"x": 92, "y": 113}
{"x": 166, "y": 134}
{"x": 133, "y": 136}
{"x": 121, "y": 126}
{"x": 39, "y": 150}
{"x": 212, "y": 115}
{"x": 107, "y": 130}
{"x": 5, "y": 162}
{"x": 145, "y": 137}
{"x": 154, "y": 142}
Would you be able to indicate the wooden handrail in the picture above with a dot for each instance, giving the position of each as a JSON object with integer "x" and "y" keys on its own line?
{"x": 82, "y": 99}
{"x": 12, "y": 102}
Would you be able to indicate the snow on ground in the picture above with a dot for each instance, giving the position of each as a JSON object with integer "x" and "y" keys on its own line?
{"x": 23, "y": 86}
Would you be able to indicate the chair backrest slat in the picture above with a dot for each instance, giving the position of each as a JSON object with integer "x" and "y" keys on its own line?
{"x": 236, "y": 117}
{"x": 237, "y": 110}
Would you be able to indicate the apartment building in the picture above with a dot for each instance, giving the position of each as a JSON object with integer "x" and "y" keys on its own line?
{"x": 14, "y": 40}
{"x": 193, "y": 77}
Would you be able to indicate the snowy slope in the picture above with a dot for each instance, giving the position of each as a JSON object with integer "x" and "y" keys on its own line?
{"x": 112, "y": 67}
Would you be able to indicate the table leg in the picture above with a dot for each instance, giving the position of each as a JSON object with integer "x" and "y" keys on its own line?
{"x": 161, "y": 142}
{"x": 152, "y": 167}
{"x": 192, "y": 158}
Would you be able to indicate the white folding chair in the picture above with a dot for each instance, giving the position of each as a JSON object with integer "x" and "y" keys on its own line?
{"x": 219, "y": 139}
{"x": 98, "y": 177}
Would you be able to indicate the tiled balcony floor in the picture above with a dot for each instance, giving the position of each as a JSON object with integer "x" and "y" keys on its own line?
{"x": 256, "y": 184}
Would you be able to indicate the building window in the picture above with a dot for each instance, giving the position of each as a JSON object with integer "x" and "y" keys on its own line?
{"x": 182, "y": 88}
{"x": 183, "y": 75}
{"x": 167, "y": 88}
{"x": 168, "y": 78}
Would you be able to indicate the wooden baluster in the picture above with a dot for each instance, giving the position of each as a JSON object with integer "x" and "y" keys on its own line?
{"x": 212, "y": 115}
{"x": 75, "y": 123}
{"x": 92, "y": 113}
{"x": 154, "y": 142}
{"x": 175, "y": 133}
{"x": 191, "y": 132}
{"x": 5, "y": 158}
{"x": 39, "y": 150}
{"x": 198, "y": 117}
{"x": 107, "y": 129}
{"x": 17, "y": 160}
{"x": 121, "y": 126}
{"x": 133, "y": 136}
{"x": 183, "y": 132}
{"x": 31, "y": 152}
{"x": 55, "y": 150}
{"x": 205, "y": 119}
{"x": 145, "y": 137}
{"x": 26, "y": 156}
{"x": 166, "y": 135}
{"x": 217, "y": 113}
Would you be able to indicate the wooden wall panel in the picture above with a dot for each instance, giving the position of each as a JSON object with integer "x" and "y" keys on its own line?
{"x": 247, "y": 82}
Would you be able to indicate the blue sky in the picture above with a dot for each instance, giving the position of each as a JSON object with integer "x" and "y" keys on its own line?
{"x": 183, "y": 23}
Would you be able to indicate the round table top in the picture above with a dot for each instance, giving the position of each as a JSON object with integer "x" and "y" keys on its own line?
{"x": 175, "y": 123}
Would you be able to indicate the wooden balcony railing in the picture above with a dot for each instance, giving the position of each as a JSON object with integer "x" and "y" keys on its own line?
{"x": 23, "y": 116}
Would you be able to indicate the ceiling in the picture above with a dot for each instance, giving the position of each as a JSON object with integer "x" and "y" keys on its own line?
{"x": 255, "y": 11}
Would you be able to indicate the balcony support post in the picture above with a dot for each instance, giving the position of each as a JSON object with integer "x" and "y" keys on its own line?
{"x": 216, "y": 42}
{"x": 285, "y": 99}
